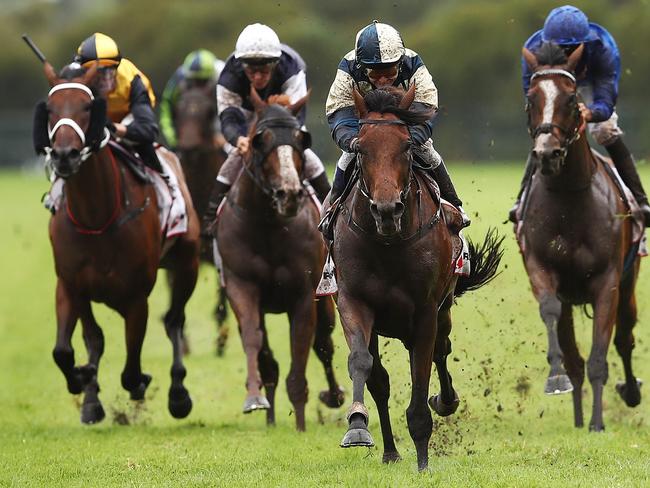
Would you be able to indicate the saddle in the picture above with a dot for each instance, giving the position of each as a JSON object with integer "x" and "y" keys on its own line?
{"x": 131, "y": 159}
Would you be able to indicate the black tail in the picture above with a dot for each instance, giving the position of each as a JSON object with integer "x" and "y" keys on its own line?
{"x": 222, "y": 307}
{"x": 484, "y": 263}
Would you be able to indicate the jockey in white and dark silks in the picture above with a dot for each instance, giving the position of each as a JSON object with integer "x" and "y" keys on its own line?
{"x": 380, "y": 59}
{"x": 200, "y": 68}
{"x": 597, "y": 74}
{"x": 273, "y": 69}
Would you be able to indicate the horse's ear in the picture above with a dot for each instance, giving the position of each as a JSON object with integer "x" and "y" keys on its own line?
{"x": 50, "y": 74}
{"x": 575, "y": 57}
{"x": 258, "y": 103}
{"x": 530, "y": 59}
{"x": 408, "y": 98}
{"x": 359, "y": 103}
{"x": 297, "y": 107}
{"x": 90, "y": 74}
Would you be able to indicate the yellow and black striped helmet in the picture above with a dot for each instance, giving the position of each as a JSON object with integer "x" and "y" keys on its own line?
{"x": 98, "y": 47}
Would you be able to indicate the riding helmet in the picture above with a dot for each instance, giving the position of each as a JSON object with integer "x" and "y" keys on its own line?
{"x": 567, "y": 25}
{"x": 378, "y": 44}
{"x": 98, "y": 47}
{"x": 258, "y": 42}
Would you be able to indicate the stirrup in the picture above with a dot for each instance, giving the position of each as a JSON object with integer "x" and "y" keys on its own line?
{"x": 466, "y": 220}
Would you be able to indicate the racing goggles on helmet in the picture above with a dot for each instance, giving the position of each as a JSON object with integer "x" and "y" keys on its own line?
{"x": 264, "y": 66}
{"x": 379, "y": 71}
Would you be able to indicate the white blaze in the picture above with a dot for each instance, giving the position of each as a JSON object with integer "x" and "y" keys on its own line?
{"x": 550, "y": 94}
{"x": 288, "y": 174}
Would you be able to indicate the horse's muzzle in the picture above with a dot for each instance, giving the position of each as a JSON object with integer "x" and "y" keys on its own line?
{"x": 387, "y": 216}
{"x": 288, "y": 202}
{"x": 65, "y": 161}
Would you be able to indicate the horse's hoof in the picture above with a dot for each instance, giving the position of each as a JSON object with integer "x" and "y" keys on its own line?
{"x": 631, "y": 396}
{"x": 596, "y": 428}
{"x": 441, "y": 408}
{"x": 391, "y": 457}
{"x": 357, "y": 438}
{"x": 558, "y": 384}
{"x": 138, "y": 392}
{"x": 92, "y": 413}
{"x": 256, "y": 402}
{"x": 332, "y": 399}
{"x": 179, "y": 403}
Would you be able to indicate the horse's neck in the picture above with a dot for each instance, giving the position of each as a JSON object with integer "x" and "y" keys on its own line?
{"x": 91, "y": 192}
{"x": 579, "y": 168}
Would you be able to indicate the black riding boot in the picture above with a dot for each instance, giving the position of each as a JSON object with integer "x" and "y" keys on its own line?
{"x": 447, "y": 190}
{"x": 218, "y": 193}
{"x": 528, "y": 174}
{"x": 624, "y": 163}
{"x": 321, "y": 186}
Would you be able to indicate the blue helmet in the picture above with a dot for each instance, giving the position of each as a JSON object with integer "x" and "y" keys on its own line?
{"x": 378, "y": 44}
{"x": 567, "y": 25}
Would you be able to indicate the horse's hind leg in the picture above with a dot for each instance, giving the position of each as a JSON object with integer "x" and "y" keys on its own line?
{"x": 91, "y": 410}
{"x": 379, "y": 387}
{"x": 135, "y": 316}
{"x": 323, "y": 346}
{"x": 624, "y": 339}
{"x": 447, "y": 401}
{"x": 67, "y": 313}
{"x": 573, "y": 362}
{"x": 269, "y": 371}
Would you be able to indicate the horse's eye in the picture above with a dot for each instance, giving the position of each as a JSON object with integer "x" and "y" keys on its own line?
{"x": 87, "y": 107}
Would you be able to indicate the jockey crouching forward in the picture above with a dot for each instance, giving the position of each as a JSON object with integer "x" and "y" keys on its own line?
{"x": 378, "y": 60}
{"x": 273, "y": 69}
{"x": 597, "y": 73}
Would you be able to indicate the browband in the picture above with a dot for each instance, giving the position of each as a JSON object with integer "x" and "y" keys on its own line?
{"x": 75, "y": 86}
{"x": 553, "y": 71}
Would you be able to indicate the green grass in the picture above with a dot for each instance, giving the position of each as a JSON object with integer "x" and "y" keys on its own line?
{"x": 507, "y": 433}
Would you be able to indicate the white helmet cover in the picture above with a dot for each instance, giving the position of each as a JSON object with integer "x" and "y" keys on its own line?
{"x": 258, "y": 41}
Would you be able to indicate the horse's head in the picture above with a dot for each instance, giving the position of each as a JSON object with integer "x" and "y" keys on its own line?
{"x": 277, "y": 147}
{"x": 384, "y": 152}
{"x": 73, "y": 119}
{"x": 194, "y": 116}
{"x": 554, "y": 119}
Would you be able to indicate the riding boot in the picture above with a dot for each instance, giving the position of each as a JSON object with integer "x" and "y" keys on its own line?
{"x": 219, "y": 191}
{"x": 447, "y": 190}
{"x": 321, "y": 186}
{"x": 624, "y": 163}
{"x": 528, "y": 173}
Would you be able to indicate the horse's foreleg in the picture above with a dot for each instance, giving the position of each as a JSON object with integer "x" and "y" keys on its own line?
{"x": 357, "y": 320}
{"x": 447, "y": 402}
{"x": 67, "y": 313}
{"x": 91, "y": 410}
{"x": 418, "y": 415}
{"x": 573, "y": 362}
{"x": 379, "y": 388}
{"x": 334, "y": 396}
{"x": 135, "y": 316}
{"x": 303, "y": 324}
{"x": 605, "y": 307}
{"x": 269, "y": 371}
{"x": 624, "y": 340}
{"x": 244, "y": 298}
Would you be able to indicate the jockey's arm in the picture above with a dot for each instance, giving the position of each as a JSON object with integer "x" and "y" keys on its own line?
{"x": 144, "y": 128}
{"x": 344, "y": 126}
{"x": 167, "y": 102}
{"x": 296, "y": 88}
{"x": 604, "y": 76}
{"x": 233, "y": 120}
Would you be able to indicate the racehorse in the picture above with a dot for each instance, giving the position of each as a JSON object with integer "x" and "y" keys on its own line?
{"x": 272, "y": 255}
{"x": 107, "y": 245}
{"x": 575, "y": 237}
{"x": 395, "y": 261}
{"x": 201, "y": 157}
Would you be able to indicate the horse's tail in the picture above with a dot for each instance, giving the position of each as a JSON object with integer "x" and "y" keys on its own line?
{"x": 484, "y": 263}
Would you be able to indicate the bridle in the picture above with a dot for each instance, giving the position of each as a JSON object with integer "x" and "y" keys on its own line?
{"x": 570, "y": 134}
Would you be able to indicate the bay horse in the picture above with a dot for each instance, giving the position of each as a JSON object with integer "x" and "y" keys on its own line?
{"x": 575, "y": 235}
{"x": 272, "y": 255}
{"x": 201, "y": 153}
{"x": 395, "y": 271}
{"x": 107, "y": 246}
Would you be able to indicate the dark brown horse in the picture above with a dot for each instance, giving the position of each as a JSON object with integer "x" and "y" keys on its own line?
{"x": 200, "y": 150}
{"x": 575, "y": 235}
{"x": 394, "y": 255}
{"x": 272, "y": 256}
{"x": 107, "y": 244}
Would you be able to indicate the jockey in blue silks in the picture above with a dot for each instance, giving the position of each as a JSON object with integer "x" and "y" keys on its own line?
{"x": 597, "y": 73}
{"x": 380, "y": 59}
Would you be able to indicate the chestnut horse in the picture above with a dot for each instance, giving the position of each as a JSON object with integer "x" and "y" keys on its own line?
{"x": 201, "y": 154}
{"x": 395, "y": 267}
{"x": 272, "y": 255}
{"x": 575, "y": 236}
{"x": 107, "y": 244}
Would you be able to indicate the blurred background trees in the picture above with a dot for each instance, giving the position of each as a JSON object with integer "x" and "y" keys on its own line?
{"x": 471, "y": 47}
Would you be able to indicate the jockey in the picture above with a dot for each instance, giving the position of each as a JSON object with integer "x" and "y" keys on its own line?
{"x": 128, "y": 93}
{"x": 597, "y": 72}
{"x": 273, "y": 69}
{"x": 380, "y": 59}
{"x": 200, "y": 68}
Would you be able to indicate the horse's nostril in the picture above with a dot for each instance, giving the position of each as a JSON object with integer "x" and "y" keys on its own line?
{"x": 399, "y": 208}
{"x": 556, "y": 153}
{"x": 74, "y": 153}
{"x": 280, "y": 194}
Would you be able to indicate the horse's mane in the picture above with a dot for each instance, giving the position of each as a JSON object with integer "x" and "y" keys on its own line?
{"x": 550, "y": 54}
{"x": 387, "y": 99}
